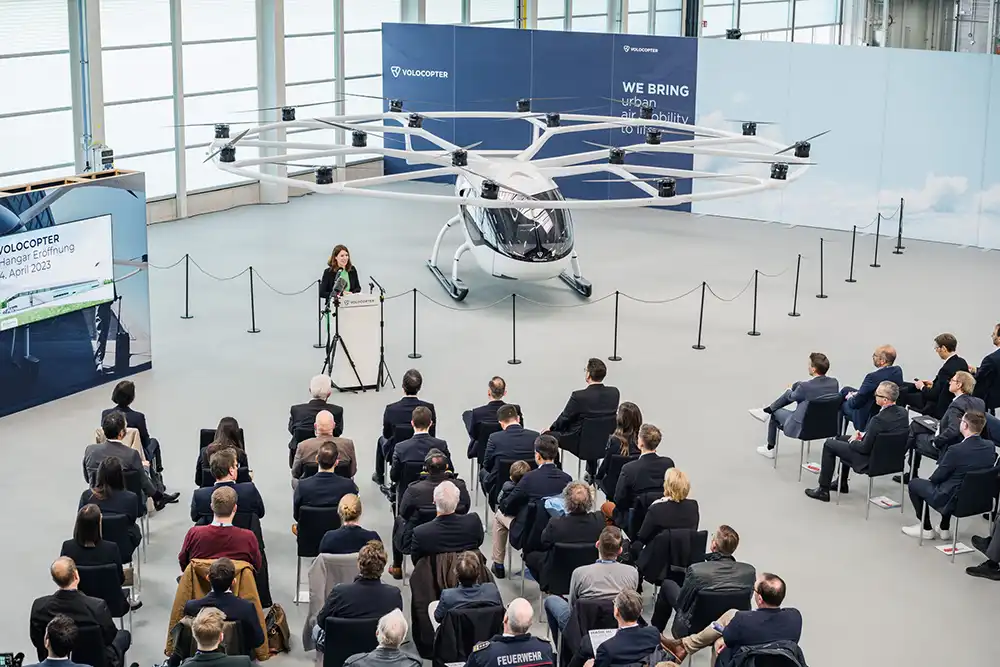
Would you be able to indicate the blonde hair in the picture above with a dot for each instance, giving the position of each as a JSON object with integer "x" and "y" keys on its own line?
{"x": 349, "y": 508}
{"x": 676, "y": 485}
{"x": 207, "y": 627}
{"x": 965, "y": 380}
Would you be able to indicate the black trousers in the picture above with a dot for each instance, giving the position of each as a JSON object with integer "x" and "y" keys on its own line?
{"x": 398, "y": 527}
{"x": 834, "y": 448}
{"x": 153, "y": 454}
{"x": 119, "y": 646}
{"x": 381, "y": 454}
{"x": 920, "y": 445}
{"x": 922, "y": 490}
{"x": 666, "y": 601}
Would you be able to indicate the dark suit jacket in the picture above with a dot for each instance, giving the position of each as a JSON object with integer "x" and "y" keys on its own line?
{"x": 217, "y": 658}
{"x": 668, "y": 515}
{"x": 949, "y": 431}
{"x": 628, "y": 646}
{"x": 544, "y": 481}
{"x": 514, "y": 442}
{"x": 573, "y": 529}
{"x": 84, "y": 610}
{"x": 447, "y": 534}
{"x": 860, "y": 406}
{"x": 970, "y": 455}
{"x": 119, "y": 502}
{"x": 988, "y": 380}
{"x": 303, "y": 416}
{"x": 462, "y": 596}
{"x": 760, "y": 626}
{"x": 401, "y": 412}
{"x": 236, "y": 609}
{"x": 248, "y": 500}
{"x": 130, "y": 458}
{"x": 346, "y": 540}
{"x": 103, "y": 553}
{"x": 421, "y": 494}
{"x": 133, "y": 419}
{"x": 892, "y": 419}
{"x": 330, "y": 277}
{"x": 363, "y": 598}
{"x": 801, "y": 393}
{"x": 204, "y": 460}
{"x": 595, "y": 399}
{"x": 485, "y": 413}
{"x": 57, "y": 663}
{"x": 644, "y": 474}
{"x": 937, "y": 397}
{"x": 324, "y": 489}
{"x": 415, "y": 450}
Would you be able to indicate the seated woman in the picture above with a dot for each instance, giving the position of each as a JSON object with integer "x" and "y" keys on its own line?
{"x": 623, "y": 442}
{"x": 227, "y": 435}
{"x": 673, "y": 511}
{"x": 111, "y": 496}
{"x": 122, "y": 396}
{"x": 350, "y": 537}
{"x": 467, "y": 567}
{"x": 87, "y": 547}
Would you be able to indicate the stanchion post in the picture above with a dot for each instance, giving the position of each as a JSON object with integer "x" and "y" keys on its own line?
{"x": 795, "y": 296}
{"x": 822, "y": 294}
{"x": 854, "y": 236}
{"x": 414, "y": 354}
{"x": 513, "y": 361}
{"x": 899, "y": 231}
{"x": 614, "y": 352}
{"x": 187, "y": 288}
{"x": 319, "y": 317}
{"x": 253, "y": 311}
{"x": 753, "y": 329}
{"x": 701, "y": 317}
{"x": 878, "y": 227}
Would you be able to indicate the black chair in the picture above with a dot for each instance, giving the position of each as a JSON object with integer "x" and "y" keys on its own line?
{"x": 658, "y": 562}
{"x": 303, "y": 434}
{"x": 976, "y": 495}
{"x": 481, "y": 432}
{"x": 594, "y": 434}
{"x": 115, "y": 528}
{"x": 587, "y": 614}
{"x": 313, "y": 524}
{"x": 566, "y": 557}
{"x": 101, "y": 581}
{"x": 207, "y": 435}
{"x": 409, "y": 473}
{"x": 309, "y": 469}
{"x": 888, "y": 457}
{"x": 208, "y": 479}
{"x": 610, "y": 481}
{"x": 465, "y": 627}
{"x": 342, "y": 470}
{"x": 820, "y": 421}
{"x": 133, "y": 482}
{"x": 89, "y": 649}
{"x": 709, "y": 605}
{"x": 643, "y": 499}
{"x": 347, "y": 636}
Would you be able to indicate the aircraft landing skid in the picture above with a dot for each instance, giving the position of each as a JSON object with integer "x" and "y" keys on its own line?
{"x": 581, "y": 284}
{"x": 456, "y": 288}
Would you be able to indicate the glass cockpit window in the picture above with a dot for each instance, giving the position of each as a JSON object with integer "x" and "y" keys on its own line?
{"x": 534, "y": 234}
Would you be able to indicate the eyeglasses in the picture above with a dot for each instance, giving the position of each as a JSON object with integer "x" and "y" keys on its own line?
{"x": 883, "y": 397}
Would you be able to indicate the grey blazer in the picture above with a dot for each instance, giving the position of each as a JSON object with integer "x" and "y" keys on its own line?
{"x": 948, "y": 431}
{"x": 94, "y": 454}
{"x": 821, "y": 386}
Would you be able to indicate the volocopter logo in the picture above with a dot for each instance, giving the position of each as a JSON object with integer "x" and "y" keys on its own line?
{"x": 398, "y": 71}
{"x": 640, "y": 49}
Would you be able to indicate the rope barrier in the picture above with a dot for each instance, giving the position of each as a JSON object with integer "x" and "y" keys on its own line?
{"x": 654, "y": 301}
{"x": 590, "y": 302}
{"x": 214, "y": 277}
{"x": 278, "y": 291}
{"x": 738, "y": 294}
{"x": 471, "y": 308}
{"x": 164, "y": 268}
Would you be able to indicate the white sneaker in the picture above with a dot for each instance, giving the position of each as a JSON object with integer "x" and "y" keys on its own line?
{"x": 916, "y": 529}
{"x": 765, "y": 452}
{"x": 759, "y": 414}
{"x": 943, "y": 534}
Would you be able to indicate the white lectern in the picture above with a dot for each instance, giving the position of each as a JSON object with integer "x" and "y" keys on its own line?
{"x": 356, "y": 342}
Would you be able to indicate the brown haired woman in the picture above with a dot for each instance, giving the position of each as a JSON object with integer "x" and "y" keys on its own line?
{"x": 339, "y": 264}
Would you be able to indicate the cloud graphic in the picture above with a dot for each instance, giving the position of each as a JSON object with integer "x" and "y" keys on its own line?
{"x": 939, "y": 194}
{"x": 989, "y": 200}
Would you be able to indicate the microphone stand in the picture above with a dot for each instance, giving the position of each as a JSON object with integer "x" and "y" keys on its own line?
{"x": 382, "y": 366}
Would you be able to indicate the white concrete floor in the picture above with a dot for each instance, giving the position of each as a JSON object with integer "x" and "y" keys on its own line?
{"x": 865, "y": 590}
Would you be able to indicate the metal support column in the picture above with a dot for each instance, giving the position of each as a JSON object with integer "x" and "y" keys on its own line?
{"x": 271, "y": 91}
{"x": 86, "y": 77}
{"x": 180, "y": 132}
{"x": 339, "y": 85}
{"x": 413, "y": 11}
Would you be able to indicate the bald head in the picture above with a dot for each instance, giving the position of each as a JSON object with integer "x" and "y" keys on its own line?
{"x": 64, "y": 573}
{"x": 884, "y": 355}
{"x": 519, "y": 616}
{"x": 324, "y": 423}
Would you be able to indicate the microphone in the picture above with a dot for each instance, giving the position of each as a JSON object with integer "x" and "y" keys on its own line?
{"x": 341, "y": 283}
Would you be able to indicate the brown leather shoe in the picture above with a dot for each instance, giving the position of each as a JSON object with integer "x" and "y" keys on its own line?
{"x": 675, "y": 646}
{"x": 295, "y": 529}
{"x": 396, "y": 572}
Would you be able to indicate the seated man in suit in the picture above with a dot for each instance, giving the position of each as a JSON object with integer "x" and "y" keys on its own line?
{"x": 933, "y": 398}
{"x": 224, "y": 468}
{"x": 113, "y": 425}
{"x": 923, "y": 442}
{"x": 325, "y": 488}
{"x": 366, "y": 596}
{"x": 769, "y": 622}
{"x": 221, "y": 538}
{"x": 390, "y": 635}
{"x": 208, "y": 629}
{"x": 469, "y": 589}
{"x": 580, "y": 525}
{"x": 307, "y": 450}
{"x": 60, "y": 636}
{"x": 546, "y": 480}
{"x": 475, "y": 417}
{"x": 415, "y": 449}
{"x": 941, "y": 490}
{"x": 890, "y": 419}
{"x": 123, "y": 396}
{"x": 779, "y": 416}
{"x": 303, "y": 415}
{"x": 420, "y": 495}
{"x": 514, "y": 647}
{"x": 988, "y": 375}
{"x": 398, "y": 413}
{"x": 631, "y": 645}
{"x": 644, "y": 474}
{"x": 448, "y": 532}
{"x": 990, "y": 546}
{"x": 720, "y": 571}
{"x": 604, "y": 579}
{"x": 83, "y": 610}
{"x": 860, "y": 404}
{"x": 595, "y": 400}
{"x": 513, "y": 441}
{"x": 236, "y": 609}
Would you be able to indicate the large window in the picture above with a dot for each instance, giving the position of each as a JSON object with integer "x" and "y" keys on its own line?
{"x": 718, "y": 16}
{"x": 493, "y": 13}
{"x": 589, "y": 16}
{"x": 363, "y": 58}
{"x": 667, "y": 18}
{"x": 444, "y": 11}
{"x": 638, "y": 16}
{"x": 551, "y": 14}
{"x": 36, "y": 118}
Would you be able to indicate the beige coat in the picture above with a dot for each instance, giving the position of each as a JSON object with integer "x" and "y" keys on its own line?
{"x": 308, "y": 449}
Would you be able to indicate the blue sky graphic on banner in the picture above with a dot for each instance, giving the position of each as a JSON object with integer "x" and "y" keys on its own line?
{"x": 989, "y": 197}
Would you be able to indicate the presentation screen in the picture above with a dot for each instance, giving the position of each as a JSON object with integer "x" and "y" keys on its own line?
{"x": 55, "y": 270}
